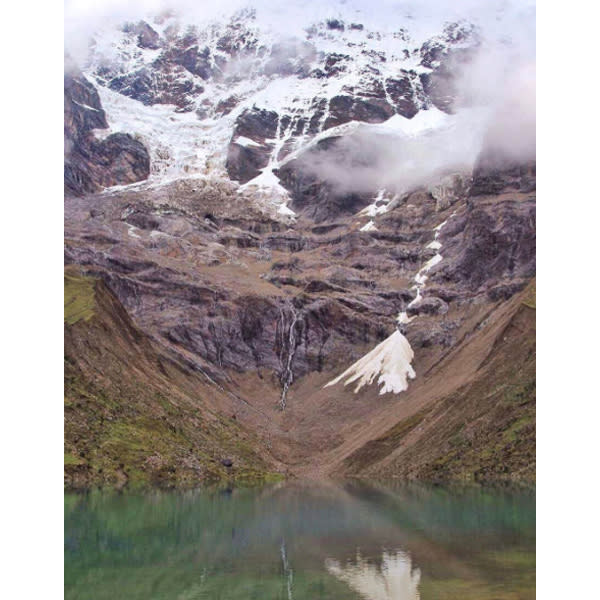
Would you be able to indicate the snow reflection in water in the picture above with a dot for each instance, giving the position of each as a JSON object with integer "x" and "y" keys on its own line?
{"x": 395, "y": 579}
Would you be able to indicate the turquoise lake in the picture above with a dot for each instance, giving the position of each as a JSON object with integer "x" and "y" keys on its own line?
{"x": 300, "y": 540}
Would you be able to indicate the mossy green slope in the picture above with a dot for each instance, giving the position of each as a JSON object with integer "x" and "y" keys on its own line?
{"x": 134, "y": 415}
{"x": 79, "y": 298}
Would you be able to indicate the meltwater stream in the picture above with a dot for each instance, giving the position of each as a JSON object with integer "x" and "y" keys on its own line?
{"x": 302, "y": 541}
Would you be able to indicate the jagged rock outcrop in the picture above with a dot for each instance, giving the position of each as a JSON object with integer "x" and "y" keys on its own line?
{"x": 402, "y": 93}
{"x": 495, "y": 173}
{"x": 90, "y": 163}
{"x": 450, "y": 189}
{"x": 147, "y": 37}
{"x": 491, "y": 246}
{"x": 155, "y": 86}
{"x": 343, "y": 109}
{"x": 446, "y": 55}
{"x": 248, "y": 151}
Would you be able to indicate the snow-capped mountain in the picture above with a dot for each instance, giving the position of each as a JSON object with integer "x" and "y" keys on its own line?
{"x": 233, "y": 99}
{"x": 289, "y": 212}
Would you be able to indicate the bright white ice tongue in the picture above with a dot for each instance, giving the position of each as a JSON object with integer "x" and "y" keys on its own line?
{"x": 389, "y": 361}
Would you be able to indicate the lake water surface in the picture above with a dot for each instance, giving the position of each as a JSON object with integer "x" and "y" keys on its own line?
{"x": 302, "y": 541}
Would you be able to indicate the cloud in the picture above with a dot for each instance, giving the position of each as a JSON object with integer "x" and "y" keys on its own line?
{"x": 495, "y": 115}
{"x": 370, "y": 159}
{"x": 511, "y": 131}
{"x": 292, "y": 16}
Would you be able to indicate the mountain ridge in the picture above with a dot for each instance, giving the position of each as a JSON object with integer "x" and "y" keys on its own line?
{"x": 268, "y": 240}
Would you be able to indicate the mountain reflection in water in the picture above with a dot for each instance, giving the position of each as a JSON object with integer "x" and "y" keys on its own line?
{"x": 302, "y": 541}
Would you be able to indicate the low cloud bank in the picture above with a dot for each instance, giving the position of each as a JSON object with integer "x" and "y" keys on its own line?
{"x": 370, "y": 159}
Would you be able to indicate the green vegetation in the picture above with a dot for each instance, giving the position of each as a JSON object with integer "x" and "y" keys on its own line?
{"x": 71, "y": 459}
{"x": 133, "y": 417}
{"x": 79, "y": 298}
{"x": 529, "y": 299}
{"x": 506, "y": 447}
{"x": 115, "y": 441}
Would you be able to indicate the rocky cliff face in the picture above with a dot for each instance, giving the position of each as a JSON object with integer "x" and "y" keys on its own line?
{"x": 91, "y": 163}
{"x": 251, "y": 267}
{"x": 230, "y": 290}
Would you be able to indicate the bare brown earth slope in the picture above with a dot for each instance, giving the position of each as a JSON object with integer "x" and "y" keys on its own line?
{"x": 485, "y": 429}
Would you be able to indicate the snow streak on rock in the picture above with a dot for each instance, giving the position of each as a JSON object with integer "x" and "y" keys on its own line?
{"x": 370, "y": 226}
{"x": 421, "y": 277}
{"x": 389, "y": 362}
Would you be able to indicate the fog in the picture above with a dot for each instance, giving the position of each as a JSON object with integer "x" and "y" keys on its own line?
{"x": 368, "y": 160}
{"x": 495, "y": 116}
{"x": 292, "y": 17}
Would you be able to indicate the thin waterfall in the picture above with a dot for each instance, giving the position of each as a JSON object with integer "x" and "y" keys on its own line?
{"x": 287, "y": 350}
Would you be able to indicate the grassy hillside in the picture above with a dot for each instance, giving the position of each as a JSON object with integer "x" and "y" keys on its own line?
{"x": 133, "y": 415}
{"x": 485, "y": 430}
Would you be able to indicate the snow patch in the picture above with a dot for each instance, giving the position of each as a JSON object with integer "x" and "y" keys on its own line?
{"x": 284, "y": 210}
{"x": 266, "y": 180}
{"x": 370, "y": 226}
{"x": 244, "y": 141}
{"x": 434, "y": 260}
{"x": 423, "y": 121}
{"x": 131, "y": 231}
{"x": 403, "y": 318}
{"x": 268, "y": 194}
{"x": 377, "y": 207}
{"x": 179, "y": 143}
{"x": 389, "y": 362}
